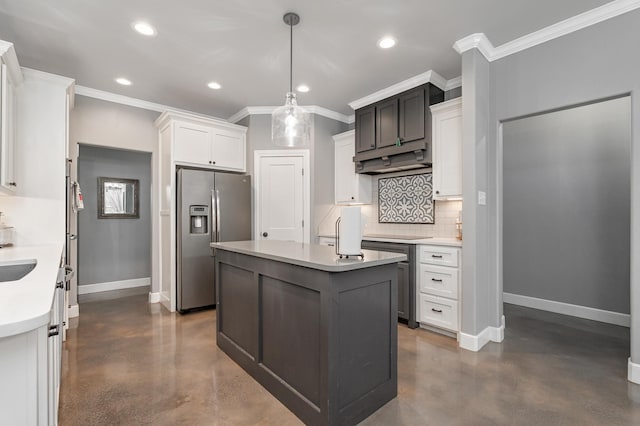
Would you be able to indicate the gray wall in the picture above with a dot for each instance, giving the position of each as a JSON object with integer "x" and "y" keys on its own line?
{"x": 477, "y": 304}
{"x": 321, "y": 158}
{"x": 113, "y": 249}
{"x": 566, "y": 205}
{"x": 594, "y": 63}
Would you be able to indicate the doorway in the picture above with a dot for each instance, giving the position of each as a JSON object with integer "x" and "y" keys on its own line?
{"x": 114, "y": 251}
{"x": 282, "y": 195}
{"x": 566, "y": 211}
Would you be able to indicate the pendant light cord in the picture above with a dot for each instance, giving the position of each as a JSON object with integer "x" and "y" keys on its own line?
{"x": 291, "y": 57}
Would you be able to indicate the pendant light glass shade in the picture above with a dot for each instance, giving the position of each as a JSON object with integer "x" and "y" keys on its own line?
{"x": 290, "y": 124}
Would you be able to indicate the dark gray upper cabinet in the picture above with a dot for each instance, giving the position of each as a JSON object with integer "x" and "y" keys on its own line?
{"x": 366, "y": 129}
{"x": 395, "y": 133}
{"x": 412, "y": 118}
{"x": 387, "y": 123}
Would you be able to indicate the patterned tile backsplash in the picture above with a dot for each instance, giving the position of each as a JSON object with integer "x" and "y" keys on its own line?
{"x": 406, "y": 199}
{"x": 445, "y": 216}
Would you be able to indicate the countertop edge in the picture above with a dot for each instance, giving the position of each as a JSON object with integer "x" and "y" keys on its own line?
{"x": 309, "y": 264}
{"x": 30, "y": 298}
{"x": 435, "y": 241}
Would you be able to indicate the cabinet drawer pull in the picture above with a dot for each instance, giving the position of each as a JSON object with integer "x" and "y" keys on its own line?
{"x": 436, "y": 310}
{"x": 436, "y": 256}
{"x": 54, "y": 330}
{"x": 436, "y": 280}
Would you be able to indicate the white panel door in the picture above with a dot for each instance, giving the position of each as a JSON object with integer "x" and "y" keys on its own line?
{"x": 192, "y": 144}
{"x": 281, "y": 193}
{"x": 229, "y": 150}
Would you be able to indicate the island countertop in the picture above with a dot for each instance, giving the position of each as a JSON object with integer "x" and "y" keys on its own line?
{"x": 312, "y": 256}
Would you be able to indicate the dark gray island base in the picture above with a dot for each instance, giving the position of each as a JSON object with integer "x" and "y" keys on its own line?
{"x": 322, "y": 339}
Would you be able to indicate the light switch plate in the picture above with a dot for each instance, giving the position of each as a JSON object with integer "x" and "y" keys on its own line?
{"x": 482, "y": 198}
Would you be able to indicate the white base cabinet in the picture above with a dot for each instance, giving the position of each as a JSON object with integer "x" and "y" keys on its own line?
{"x": 447, "y": 149}
{"x": 31, "y": 370}
{"x": 438, "y": 287}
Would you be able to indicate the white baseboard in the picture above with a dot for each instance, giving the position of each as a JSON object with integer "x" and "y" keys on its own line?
{"x": 585, "y": 312}
{"x": 74, "y": 311}
{"x": 633, "y": 372}
{"x": 497, "y": 333}
{"x": 489, "y": 334}
{"x": 475, "y": 343}
{"x": 154, "y": 297}
{"x": 113, "y": 285}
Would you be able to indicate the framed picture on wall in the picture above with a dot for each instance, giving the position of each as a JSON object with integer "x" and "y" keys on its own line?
{"x": 118, "y": 198}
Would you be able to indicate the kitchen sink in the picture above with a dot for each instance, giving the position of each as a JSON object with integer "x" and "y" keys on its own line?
{"x": 16, "y": 269}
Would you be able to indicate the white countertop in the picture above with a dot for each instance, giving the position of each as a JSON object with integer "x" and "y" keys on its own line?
{"x": 436, "y": 241}
{"x": 309, "y": 255}
{"x": 25, "y": 303}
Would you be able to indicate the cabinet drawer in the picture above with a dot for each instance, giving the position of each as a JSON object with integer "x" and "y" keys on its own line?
{"x": 439, "y": 312}
{"x": 437, "y": 255}
{"x": 438, "y": 280}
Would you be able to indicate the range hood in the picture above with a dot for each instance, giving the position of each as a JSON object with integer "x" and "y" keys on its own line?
{"x": 394, "y": 134}
{"x": 394, "y": 161}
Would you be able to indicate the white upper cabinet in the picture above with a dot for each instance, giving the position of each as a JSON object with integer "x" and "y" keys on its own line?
{"x": 229, "y": 149}
{"x": 207, "y": 143}
{"x": 447, "y": 149}
{"x": 350, "y": 187}
{"x": 10, "y": 77}
{"x": 192, "y": 143}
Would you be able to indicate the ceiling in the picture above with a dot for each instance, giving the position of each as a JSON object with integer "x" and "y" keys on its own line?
{"x": 244, "y": 45}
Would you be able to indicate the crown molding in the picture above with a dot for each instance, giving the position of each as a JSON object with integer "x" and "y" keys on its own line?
{"x": 59, "y": 80}
{"x": 454, "y": 83}
{"x": 426, "y": 77}
{"x": 169, "y": 115}
{"x": 9, "y": 57}
{"x": 137, "y": 103}
{"x": 475, "y": 41}
{"x": 591, "y": 17}
{"x": 313, "y": 109}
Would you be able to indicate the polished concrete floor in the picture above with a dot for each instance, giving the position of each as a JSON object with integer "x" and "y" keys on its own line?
{"x": 127, "y": 362}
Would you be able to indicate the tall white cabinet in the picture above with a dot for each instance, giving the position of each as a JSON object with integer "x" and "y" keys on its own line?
{"x": 350, "y": 187}
{"x": 191, "y": 141}
{"x": 447, "y": 149}
{"x": 10, "y": 77}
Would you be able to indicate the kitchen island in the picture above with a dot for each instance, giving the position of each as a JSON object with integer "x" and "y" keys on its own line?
{"x": 318, "y": 332}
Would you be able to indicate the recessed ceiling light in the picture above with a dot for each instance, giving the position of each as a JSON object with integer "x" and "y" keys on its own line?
{"x": 303, "y": 88}
{"x": 144, "y": 28}
{"x": 123, "y": 81}
{"x": 213, "y": 85}
{"x": 386, "y": 42}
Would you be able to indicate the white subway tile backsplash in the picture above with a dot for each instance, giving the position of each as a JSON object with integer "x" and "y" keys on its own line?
{"x": 446, "y": 213}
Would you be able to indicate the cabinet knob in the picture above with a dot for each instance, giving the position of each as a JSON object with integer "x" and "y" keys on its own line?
{"x": 209, "y": 161}
{"x": 213, "y": 162}
{"x": 265, "y": 234}
{"x": 353, "y": 198}
{"x": 12, "y": 184}
{"x": 437, "y": 192}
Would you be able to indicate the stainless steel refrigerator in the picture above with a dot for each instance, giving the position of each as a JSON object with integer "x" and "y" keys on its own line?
{"x": 212, "y": 206}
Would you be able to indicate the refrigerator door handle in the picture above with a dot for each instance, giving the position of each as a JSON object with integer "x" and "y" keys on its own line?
{"x": 214, "y": 222}
{"x": 217, "y": 215}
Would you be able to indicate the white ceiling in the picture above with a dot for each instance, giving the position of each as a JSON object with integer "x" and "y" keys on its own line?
{"x": 244, "y": 44}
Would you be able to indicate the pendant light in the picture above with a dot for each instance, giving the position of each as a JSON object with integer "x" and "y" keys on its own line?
{"x": 290, "y": 123}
